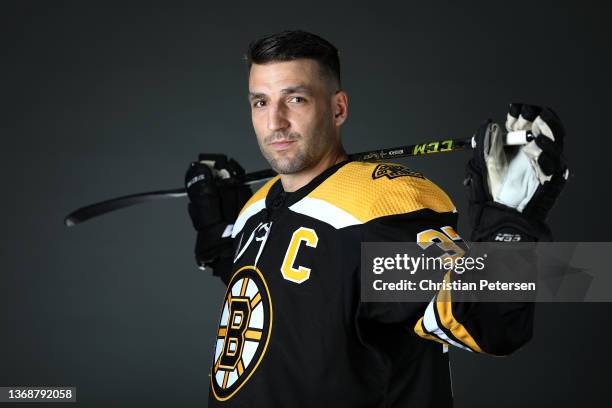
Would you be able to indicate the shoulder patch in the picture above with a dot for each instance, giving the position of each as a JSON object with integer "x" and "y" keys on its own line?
{"x": 392, "y": 171}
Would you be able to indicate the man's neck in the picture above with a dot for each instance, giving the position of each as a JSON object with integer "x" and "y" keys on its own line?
{"x": 293, "y": 182}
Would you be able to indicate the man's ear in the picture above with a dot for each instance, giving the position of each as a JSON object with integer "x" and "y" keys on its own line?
{"x": 340, "y": 107}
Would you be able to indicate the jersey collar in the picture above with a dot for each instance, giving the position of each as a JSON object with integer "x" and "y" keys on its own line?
{"x": 278, "y": 198}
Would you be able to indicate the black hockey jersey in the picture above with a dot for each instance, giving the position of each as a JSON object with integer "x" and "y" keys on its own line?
{"x": 293, "y": 331}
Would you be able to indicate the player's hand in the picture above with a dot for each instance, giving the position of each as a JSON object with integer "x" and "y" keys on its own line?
{"x": 523, "y": 179}
{"x": 216, "y": 198}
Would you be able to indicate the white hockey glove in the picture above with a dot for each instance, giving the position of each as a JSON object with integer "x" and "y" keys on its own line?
{"x": 512, "y": 188}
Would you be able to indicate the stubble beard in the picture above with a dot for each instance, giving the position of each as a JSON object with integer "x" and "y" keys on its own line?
{"x": 304, "y": 157}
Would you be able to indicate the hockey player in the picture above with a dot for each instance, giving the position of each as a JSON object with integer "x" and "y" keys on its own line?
{"x": 293, "y": 331}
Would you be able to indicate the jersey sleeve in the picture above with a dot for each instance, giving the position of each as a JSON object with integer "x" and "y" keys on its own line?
{"x": 490, "y": 328}
{"x": 496, "y": 328}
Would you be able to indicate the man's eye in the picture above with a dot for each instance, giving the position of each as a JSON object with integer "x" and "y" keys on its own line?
{"x": 258, "y": 104}
{"x": 297, "y": 99}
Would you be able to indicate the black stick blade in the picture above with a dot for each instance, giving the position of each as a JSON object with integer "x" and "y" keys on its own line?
{"x": 103, "y": 207}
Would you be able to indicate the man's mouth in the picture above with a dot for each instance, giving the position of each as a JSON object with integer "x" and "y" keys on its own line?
{"x": 281, "y": 144}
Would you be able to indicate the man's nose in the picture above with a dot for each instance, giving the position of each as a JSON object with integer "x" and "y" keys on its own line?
{"x": 277, "y": 117}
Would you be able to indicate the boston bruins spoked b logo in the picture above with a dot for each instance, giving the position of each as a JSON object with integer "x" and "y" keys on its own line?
{"x": 392, "y": 171}
{"x": 244, "y": 331}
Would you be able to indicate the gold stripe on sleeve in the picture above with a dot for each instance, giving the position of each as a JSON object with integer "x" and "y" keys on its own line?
{"x": 444, "y": 306}
{"x": 418, "y": 329}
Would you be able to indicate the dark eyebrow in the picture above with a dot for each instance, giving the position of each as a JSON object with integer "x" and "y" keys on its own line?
{"x": 296, "y": 89}
{"x": 255, "y": 95}
{"x": 285, "y": 91}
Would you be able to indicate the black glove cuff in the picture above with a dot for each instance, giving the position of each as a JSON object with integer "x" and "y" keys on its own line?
{"x": 210, "y": 246}
{"x": 215, "y": 252}
{"x": 205, "y": 213}
{"x": 500, "y": 223}
{"x": 222, "y": 268}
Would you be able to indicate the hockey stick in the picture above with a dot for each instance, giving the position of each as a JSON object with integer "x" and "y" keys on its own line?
{"x": 420, "y": 149}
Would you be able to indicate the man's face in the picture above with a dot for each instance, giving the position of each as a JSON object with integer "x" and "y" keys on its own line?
{"x": 291, "y": 109}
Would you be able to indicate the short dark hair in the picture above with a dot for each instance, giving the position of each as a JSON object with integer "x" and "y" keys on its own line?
{"x": 295, "y": 44}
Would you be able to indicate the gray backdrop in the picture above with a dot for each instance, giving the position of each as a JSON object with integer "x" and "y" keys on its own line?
{"x": 102, "y": 100}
